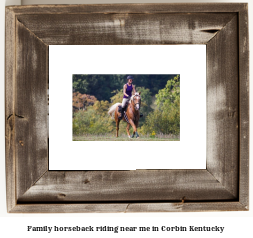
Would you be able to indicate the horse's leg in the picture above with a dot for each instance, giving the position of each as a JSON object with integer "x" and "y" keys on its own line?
{"x": 136, "y": 123}
{"x": 117, "y": 123}
{"x": 127, "y": 129}
{"x": 117, "y": 128}
{"x": 134, "y": 127}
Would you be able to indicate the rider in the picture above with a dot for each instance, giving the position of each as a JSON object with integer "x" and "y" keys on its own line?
{"x": 127, "y": 91}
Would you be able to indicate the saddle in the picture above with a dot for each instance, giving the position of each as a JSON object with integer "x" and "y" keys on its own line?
{"x": 120, "y": 108}
{"x": 123, "y": 112}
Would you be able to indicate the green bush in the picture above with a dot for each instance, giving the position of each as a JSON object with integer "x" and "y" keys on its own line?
{"x": 91, "y": 121}
{"x": 166, "y": 117}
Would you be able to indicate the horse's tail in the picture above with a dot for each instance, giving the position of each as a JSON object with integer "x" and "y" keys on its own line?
{"x": 113, "y": 109}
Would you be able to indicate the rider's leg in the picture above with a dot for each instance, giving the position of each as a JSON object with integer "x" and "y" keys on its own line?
{"x": 124, "y": 101}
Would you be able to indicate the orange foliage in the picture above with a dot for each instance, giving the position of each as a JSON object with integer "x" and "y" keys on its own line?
{"x": 81, "y": 101}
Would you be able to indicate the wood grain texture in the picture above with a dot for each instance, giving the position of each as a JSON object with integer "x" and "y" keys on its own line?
{"x": 156, "y": 8}
{"x": 222, "y": 107}
{"x": 114, "y": 29}
{"x": 129, "y": 207}
{"x": 186, "y": 207}
{"x": 244, "y": 106}
{"x": 30, "y": 108}
{"x": 133, "y": 29}
{"x": 139, "y": 185}
{"x": 9, "y": 109}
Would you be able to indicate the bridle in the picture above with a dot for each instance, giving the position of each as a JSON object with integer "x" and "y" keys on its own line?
{"x": 137, "y": 102}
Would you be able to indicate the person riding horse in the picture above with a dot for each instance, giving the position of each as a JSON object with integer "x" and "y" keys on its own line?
{"x": 129, "y": 113}
{"x": 127, "y": 91}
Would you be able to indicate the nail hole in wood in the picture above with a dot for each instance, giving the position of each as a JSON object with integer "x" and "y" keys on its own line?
{"x": 86, "y": 181}
{"x": 61, "y": 195}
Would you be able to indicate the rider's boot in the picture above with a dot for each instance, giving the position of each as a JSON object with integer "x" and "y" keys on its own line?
{"x": 121, "y": 110}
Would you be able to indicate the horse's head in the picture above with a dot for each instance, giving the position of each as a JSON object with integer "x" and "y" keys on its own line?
{"x": 136, "y": 101}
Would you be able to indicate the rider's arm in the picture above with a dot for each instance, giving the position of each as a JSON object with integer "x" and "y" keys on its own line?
{"x": 134, "y": 89}
{"x": 124, "y": 90}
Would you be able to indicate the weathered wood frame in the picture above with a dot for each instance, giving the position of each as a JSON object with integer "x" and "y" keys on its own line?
{"x": 222, "y": 186}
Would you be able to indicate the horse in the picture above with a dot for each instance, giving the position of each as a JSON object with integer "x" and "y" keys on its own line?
{"x": 132, "y": 112}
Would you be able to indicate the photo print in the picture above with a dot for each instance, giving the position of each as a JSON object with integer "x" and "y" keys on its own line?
{"x": 122, "y": 107}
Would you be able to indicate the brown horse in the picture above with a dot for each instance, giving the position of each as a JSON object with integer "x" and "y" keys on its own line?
{"x": 132, "y": 113}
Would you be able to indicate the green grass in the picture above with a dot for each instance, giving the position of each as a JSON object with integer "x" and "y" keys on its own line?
{"x": 111, "y": 137}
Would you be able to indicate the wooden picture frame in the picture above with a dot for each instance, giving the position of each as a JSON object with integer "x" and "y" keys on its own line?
{"x": 222, "y": 186}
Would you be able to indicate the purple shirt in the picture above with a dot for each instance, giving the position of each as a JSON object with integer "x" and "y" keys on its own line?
{"x": 128, "y": 91}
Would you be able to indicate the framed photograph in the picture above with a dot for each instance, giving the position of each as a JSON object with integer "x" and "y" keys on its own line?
{"x": 184, "y": 69}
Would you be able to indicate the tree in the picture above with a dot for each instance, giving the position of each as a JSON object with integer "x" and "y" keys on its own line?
{"x": 146, "y": 100}
{"x": 166, "y": 118}
{"x": 80, "y": 84}
{"x": 169, "y": 94}
{"x": 102, "y": 85}
{"x": 81, "y": 101}
{"x": 101, "y": 107}
{"x": 117, "y": 97}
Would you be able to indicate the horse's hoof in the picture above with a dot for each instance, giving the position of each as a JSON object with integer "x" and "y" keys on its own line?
{"x": 137, "y": 137}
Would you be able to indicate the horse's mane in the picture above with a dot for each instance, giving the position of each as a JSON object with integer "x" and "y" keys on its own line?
{"x": 132, "y": 97}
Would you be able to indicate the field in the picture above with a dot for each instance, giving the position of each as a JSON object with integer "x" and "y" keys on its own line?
{"x": 110, "y": 137}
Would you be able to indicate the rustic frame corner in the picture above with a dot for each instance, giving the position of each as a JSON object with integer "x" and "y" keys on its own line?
{"x": 223, "y": 186}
